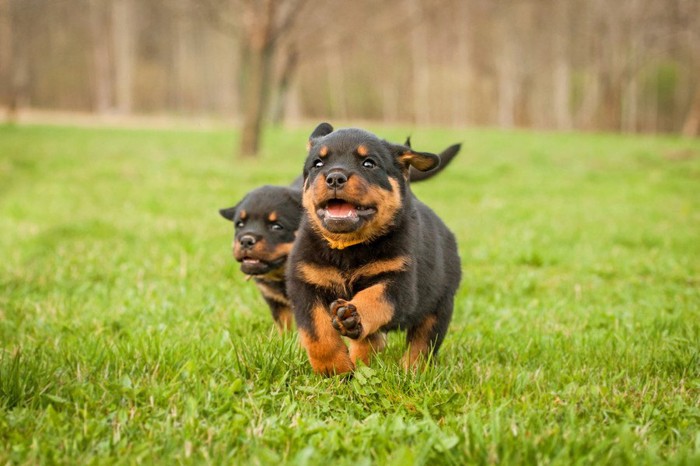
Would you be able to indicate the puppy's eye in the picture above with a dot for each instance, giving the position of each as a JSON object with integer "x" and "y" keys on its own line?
{"x": 369, "y": 163}
{"x": 318, "y": 163}
{"x": 240, "y": 224}
{"x": 276, "y": 227}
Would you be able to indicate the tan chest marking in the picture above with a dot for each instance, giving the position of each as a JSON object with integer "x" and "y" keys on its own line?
{"x": 272, "y": 294}
{"x": 334, "y": 279}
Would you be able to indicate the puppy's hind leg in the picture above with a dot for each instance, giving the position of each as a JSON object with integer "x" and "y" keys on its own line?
{"x": 426, "y": 337}
{"x": 365, "y": 348}
{"x": 284, "y": 319}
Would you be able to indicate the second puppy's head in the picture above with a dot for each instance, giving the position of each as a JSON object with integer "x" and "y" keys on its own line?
{"x": 265, "y": 223}
{"x": 355, "y": 183}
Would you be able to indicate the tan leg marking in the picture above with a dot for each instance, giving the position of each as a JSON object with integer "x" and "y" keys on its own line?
{"x": 284, "y": 320}
{"x": 419, "y": 344}
{"x": 364, "y": 349}
{"x": 327, "y": 353}
{"x": 374, "y": 309}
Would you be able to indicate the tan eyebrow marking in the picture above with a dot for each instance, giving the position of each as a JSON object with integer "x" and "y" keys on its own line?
{"x": 362, "y": 150}
{"x": 272, "y": 217}
{"x": 323, "y": 151}
{"x": 244, "y": 214}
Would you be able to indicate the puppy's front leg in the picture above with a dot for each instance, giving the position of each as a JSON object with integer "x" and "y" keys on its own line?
{"x": 327, "y": 353}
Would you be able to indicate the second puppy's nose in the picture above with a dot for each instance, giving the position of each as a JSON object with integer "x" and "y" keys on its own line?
{"x": 247, "y": 241}
{"x": 336, "y": 179}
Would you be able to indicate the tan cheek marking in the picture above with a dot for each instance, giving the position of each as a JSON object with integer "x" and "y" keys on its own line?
{"x": 283, "y": 249}
{"x": 308, "y": 201}
{"x": 389, "y": 202}
{"x": 357, "y": 188}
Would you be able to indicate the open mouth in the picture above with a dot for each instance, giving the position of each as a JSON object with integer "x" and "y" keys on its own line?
{"x": 341, "y": 216}
{"x": 253, "y": 266}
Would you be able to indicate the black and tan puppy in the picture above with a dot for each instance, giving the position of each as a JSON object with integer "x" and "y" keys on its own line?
{"x": 369, "y": 256}
{"x": 265, "y": 222}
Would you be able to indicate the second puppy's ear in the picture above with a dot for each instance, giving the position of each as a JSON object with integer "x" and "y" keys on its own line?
{"x": 228, "y": 213}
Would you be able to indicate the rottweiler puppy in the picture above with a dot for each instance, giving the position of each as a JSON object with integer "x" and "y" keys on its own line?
{"x": 265, "y": 222}
{"x": 369, "y": 257}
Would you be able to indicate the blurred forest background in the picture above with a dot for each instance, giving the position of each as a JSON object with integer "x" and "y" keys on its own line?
{"x": 622, "y": 65}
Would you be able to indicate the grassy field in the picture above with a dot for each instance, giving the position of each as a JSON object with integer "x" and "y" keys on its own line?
{"x": 128, "y": 335}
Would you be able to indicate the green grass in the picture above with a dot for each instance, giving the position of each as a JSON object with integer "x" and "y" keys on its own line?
{"x": 129, "y": 336}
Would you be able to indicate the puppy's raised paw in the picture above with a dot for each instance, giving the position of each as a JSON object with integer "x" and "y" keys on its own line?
{"x": 346, "y": 319}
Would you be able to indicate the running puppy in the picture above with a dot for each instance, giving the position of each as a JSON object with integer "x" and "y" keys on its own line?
{"x": 369, "y": 256}
{"x": 265, "y": 223}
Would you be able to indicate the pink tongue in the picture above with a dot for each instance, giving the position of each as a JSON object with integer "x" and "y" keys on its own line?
{"x": 341, "y": 209}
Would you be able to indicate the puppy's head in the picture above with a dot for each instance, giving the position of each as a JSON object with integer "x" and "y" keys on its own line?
{"x": 355, "y": 183}
{"x": 265, "y": 222}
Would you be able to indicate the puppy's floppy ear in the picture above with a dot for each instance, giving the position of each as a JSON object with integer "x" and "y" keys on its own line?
{"x": 407, "y": 157}
{"x": 229, "y": 212}
{"x": 321, "y": 130}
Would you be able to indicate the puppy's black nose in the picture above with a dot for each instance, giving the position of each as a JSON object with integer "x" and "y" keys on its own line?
{"x": 247, "y": 241}
{"x": 336, "y": 179}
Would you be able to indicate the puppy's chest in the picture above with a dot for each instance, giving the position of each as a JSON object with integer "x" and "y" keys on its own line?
{"x": 345, "y": 282}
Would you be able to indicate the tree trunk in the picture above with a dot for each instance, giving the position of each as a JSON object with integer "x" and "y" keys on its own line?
{"x": 101, "y": 59}
{"x": 123, "y": 39}
{"x": 6, "y": 59}
{"x": 507, "y": 81}
{"x": 336, "y": 83}
{"x": 288, "y": 67}
{"x": 562, "y": 71}
{"x": 255, "y": 87}
{"x": 18, "y": 71}
{"x": 691, "y": 127}
{"x": 256, "y": 66}
{"x": 421, "y": 69}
